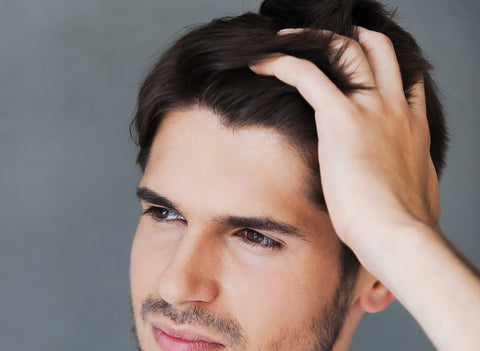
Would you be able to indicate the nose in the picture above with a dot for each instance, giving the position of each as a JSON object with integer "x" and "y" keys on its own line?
{"x": 191, "y": 275}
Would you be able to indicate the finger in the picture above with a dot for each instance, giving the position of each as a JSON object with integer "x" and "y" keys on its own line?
{"x": 380, "y": 53}
{"x": 417, "y": 99}
{"x": 418, "y": 108}
{"x": 348, "y": 54}
{"x": 315, "y": 87}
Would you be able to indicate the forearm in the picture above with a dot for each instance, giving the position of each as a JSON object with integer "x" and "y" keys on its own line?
{"x": 377, "y": 173}
{"x": 440, "y": 290}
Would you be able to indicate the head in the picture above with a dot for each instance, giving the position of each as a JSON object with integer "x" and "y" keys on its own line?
{"x": 235, "y": 245}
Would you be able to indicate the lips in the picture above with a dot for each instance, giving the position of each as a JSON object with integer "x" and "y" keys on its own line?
{"x": 172, "y": 339}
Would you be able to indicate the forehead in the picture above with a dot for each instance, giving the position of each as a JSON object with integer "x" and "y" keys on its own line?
{"x": 210, "y": 168}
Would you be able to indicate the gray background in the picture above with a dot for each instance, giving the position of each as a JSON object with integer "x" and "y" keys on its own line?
{"x": 69, "y": 73}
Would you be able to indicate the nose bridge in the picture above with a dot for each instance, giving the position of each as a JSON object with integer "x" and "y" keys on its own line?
{"x": 191, "y": 274}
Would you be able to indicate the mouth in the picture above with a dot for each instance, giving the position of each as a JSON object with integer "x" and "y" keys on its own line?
{"x": 175, "y": 339}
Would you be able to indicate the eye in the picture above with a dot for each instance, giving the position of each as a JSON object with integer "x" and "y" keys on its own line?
{"x": 257, "y": 239}
{"x": 160, "y": 214}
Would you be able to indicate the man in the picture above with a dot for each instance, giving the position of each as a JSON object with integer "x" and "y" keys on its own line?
{"x": 270, "y": 153}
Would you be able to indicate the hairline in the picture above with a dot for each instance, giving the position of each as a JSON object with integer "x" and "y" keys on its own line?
{"x": 312, "y": 192}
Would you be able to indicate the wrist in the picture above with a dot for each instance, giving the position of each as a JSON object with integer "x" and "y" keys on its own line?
{"x": 400, "y": 239}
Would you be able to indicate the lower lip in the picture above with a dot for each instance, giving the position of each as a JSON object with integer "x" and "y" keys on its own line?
{"x": 171, "y": 343}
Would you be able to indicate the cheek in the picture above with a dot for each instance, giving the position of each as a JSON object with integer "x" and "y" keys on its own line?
{"x": 272, "y": 297}
{"x": 151, "y": 252}
{"x": 150, "y": 255}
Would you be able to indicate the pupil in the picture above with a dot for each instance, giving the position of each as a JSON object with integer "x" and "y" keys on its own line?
{"x": 254, "y": 236}
{"x": 162, "y": 213}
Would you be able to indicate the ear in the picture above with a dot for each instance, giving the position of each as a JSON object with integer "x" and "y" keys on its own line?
{"x": 376, "y": 299}
{"x": 373, "y": 295}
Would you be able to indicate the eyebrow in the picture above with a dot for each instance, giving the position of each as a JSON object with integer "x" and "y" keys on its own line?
{"x": 257, "y": 223}
{"x": 262, "y": 224}
{"x": 150, "y": 196}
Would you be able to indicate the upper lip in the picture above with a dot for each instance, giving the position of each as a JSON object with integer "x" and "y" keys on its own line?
{"x": 186, "y": 334}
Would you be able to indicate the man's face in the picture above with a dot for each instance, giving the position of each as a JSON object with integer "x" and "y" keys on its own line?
{"x": 230, "y": 254}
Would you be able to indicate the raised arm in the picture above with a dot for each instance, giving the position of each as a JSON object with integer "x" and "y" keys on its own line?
{"x": 381, "y": 188}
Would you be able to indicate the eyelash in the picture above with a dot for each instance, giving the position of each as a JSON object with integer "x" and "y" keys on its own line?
{"x": 270, "y": 245}
{"x": 153, "y": 212}
{"x": 265, "y": 242}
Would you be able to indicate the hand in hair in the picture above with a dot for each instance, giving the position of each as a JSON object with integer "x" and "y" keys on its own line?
{"x": 380, "y": 184}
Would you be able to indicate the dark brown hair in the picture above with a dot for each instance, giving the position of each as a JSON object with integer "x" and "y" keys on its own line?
{"x": 208, "y": 67}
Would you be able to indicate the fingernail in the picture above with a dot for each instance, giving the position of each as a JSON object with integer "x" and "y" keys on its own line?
{"x": 289, "y": 30}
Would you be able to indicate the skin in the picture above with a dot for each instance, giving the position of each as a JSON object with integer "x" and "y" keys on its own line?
{"x": 373, "y": 150}
{"x": 383, "y": 167}
{"x": 193, "y": 260}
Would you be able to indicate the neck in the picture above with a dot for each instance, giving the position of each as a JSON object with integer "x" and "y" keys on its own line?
{"x": 353, "y": 318}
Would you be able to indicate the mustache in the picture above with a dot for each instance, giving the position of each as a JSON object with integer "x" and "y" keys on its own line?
{"x": 229, "y": 329}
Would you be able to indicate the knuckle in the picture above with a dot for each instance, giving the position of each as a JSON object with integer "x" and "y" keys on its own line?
{"x": 345, "y": 45}
{"x": 381, "y": 39}
{"x": 297, "y": 68}
{"x": 374, "y": 37}
{"x": 352, "y": 45}
{"x": 349, "y": 52}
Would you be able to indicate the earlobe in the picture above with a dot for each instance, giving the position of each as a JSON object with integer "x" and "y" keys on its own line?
{"x": 371, "y": 295}
{"x": 375, "y": 298}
